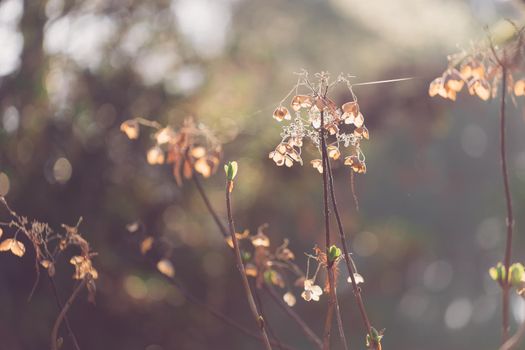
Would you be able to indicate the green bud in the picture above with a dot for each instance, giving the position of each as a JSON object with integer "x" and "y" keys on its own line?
{"x": 497, "y": 273}
{"x": 516, "y": 272}
{"x": 333, "y": 253}
{"x": 231, "y": 170}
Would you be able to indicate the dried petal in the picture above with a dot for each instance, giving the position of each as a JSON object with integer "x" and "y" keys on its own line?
{"x": 519, "y": 88}
{"x": 281, "y": 113}
{"x": 453, "y": 80}
{"x": 165, "y": 135}
{"x": 359, "y": 120}
{"x": 166, "y": 268}
{"x": 198, "y": 152}
{"x": 130, "y": 128}
{"x": 146, "y": 245}
{"x": 482, "y": 89}
{"x": 317, "y": 164}
{"x": 203, "y": 167}
{"x": 333, "y": 152}
{"x": 289, "y": 299}
{"x": 437, "y": 87}
{"x": 155, "y": 155}
{"x": 301, "y": 101}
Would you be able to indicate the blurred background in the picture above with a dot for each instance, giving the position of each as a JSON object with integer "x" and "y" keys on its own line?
{"x": 431, "y": 219}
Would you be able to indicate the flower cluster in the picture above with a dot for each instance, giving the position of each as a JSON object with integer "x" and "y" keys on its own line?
{"x": 49, "y": 245}
{"x": 481, "y": 70}
{"x": 191, "y": 148}
{"x": 313, "y": 111}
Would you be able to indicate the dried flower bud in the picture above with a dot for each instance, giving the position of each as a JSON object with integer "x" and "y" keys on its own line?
{"x": 281, "y": 113}
{"x": 130, "y": 128}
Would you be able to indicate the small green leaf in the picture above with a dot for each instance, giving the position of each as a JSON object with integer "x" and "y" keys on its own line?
{"x": 516, "y": 272}
{"x": 497, "y": 273}
{"x": 333, "y": 253}
{"x": 231, "y": 170}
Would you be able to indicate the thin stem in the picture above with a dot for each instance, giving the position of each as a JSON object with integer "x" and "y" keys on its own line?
{"x": 508, "y": 200}
{"x": 338, "y": 313}
{"x": 66, "y": 319}
{"x": 212, "y": 211}
{"x": 348, "y": 258}
{"x": 62, "y": 314}
{"x": 219, "y": 315}
{"x": 329, "y": 264}
{"x": 240, "y": 266}
{"x": 288, "y": 310}
{"x": 515, "y": 339}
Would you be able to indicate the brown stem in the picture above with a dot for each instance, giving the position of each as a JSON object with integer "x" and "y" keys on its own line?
{"x": 62, "y": 314}
{"x": 207, "y": 202}
{"x": 508, "y": 200}
{"x": 329, "y": 264}
{"x": 66, "y": 319}
{"x": 348, "y": 258}
{"x": 304, "y": 327}
{"x": 307, "y": 331}
{"x": 515, "y": 339}
{"x": 240, "y": 266}
{"x": 338, "y": 313}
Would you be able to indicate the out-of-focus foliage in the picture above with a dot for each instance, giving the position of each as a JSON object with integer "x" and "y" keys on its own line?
{"x": 431, "y": 214}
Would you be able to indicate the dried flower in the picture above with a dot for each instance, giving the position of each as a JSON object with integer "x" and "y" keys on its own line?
{"x": 166, "y": 268}
{"x": 16, "y": 247}
{"x": 344, "y": 125}
{"x": 289, "y": 299}
{"x": 130, "y": 128}
{"x": 311, "y": 291}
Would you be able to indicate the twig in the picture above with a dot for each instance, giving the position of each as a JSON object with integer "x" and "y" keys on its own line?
{"x": 508, "y": 200}
{"x": 348, "y": 258}
{"x": 240, "y": 266}
{"x": 62, "y": 314}
{"x": 212, "y": 211}
{"x": 66, "y": 319}
{"x": 307, "y": 331}
{"x": 338, "y": 312}
{"x": 329, "y": 264}
{"x": 289, "y": 311}
{"x": 515, "y": 339}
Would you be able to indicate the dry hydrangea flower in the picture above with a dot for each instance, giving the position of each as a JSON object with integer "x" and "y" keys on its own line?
{"x": 190, "y": 149}
{"x": 311, "y": 291}
{"x": 343, "y": 125}
{"x": 480, "y": 69}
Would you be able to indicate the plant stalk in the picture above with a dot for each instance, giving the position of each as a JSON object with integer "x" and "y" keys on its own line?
{"x": 240, "y": 266}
